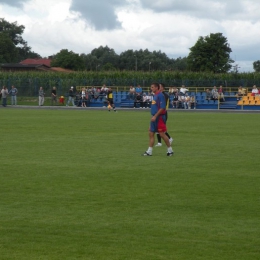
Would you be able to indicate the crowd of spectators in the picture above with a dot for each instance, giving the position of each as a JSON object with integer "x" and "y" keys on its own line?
{"x": 179, "y": 98}
{"x": 85, "y": 95}
{"x": 215, "y": 94}
{"x": 5, "y": 92}
{"x": 182, "y": 98}
{"x": 141, "y": 99}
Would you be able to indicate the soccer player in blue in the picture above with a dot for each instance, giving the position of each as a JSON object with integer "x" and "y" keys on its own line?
{"x": 158, "y": 120}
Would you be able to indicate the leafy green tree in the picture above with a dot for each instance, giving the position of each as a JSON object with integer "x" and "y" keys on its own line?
{"x": 128, "y": 60}
{"x": 105, "y": 58}
{"x": 108, "y": 67}
{"x": 99, "y": 57}
{"x": 100, "y": 51}
{"x": 8, "y": 51}
{"x": 256, "y": 66}
{"x": 210, "y": 53}
{"x": 179, "y": 64}
{"x": 105, "y": 55}
{"x": 91, "y": 62}
{"x": 14, "y": 32}
{"x": 149, "y": 61}
{"x": 143, "y": 60}
{"x": 68, "y": 60}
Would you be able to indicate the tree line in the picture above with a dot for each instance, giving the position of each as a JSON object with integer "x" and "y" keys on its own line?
{"x": 209, "y": 54}
{"x": 106, "y": 59}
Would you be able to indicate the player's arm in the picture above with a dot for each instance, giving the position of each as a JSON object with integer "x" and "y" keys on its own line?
{"x": 160, "y": 111}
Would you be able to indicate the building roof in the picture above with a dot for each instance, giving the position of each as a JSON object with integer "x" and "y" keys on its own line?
{"x": 46, "y": 62}
{"x": 23, "y": 67}
{"x": 19, "y": 65}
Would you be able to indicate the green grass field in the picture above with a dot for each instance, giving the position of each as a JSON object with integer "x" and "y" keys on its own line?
{"x": 73, "y": 185}
{"x": 33, "y": 101}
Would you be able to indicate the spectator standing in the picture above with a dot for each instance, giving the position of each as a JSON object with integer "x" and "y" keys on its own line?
{"x": 4, "y": 93}
{"x": 13, "y": 92}
{"x": 54, "y": 96}
{"x": 83, "y": 97}
{"x": 41, "y": 96}
{"x": 71, "y": 97}
{"x": 157, "y": 122}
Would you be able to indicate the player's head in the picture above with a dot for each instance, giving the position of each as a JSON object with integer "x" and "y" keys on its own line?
{"x": 155, "y": 87}
{"x": 162, "y": 86}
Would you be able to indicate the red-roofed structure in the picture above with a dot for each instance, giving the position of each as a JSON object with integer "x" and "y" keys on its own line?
{"x": 32, "y": 65}
{"x": 46, "y": 62}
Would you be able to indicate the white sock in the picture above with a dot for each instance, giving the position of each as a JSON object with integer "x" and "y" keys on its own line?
{"x": 169, "y": 150}
{"x": 150, "y": 150}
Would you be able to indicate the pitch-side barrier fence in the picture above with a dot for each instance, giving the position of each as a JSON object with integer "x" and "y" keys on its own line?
{"x": 29, "y": 87}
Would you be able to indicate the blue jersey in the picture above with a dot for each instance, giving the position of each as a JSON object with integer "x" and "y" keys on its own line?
{"x": 157, "y": 103}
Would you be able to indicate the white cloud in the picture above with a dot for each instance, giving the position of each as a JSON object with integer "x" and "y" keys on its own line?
{"x": 172, "y": 26}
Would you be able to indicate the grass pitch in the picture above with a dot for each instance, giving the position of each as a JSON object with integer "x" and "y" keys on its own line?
{"x": 73, "y": 185}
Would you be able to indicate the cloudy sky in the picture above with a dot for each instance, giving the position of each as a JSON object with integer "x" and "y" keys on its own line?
{"x": 172, "y": 26}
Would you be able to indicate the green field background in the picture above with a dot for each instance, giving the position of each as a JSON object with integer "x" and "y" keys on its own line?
{"x": 73, "y": 185}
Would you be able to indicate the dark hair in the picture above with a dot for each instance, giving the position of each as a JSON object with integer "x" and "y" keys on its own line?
{"x": 156, "y": 84}
{"x": 163, "y": 85}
